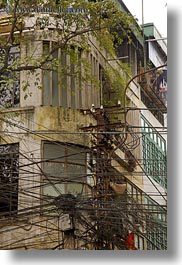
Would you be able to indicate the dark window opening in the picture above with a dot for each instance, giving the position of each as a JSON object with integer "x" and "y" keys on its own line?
{"x": 108, "y": 93}
{"x": 149, "y": 104}
{"x": 9, "y": 158}
{"x": 10, "y": 80}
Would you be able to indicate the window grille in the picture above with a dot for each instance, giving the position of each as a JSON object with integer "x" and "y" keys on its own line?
{"x": 9, "y": 159}
{"x": 154, "y": 153}
{"x": 10, "y": 79}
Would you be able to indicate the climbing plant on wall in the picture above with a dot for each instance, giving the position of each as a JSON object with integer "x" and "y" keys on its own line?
{"x": 71, "y": 23}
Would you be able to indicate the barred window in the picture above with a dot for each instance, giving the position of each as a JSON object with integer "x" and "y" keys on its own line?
{"x": 10, "y": 80}
{"x": 9, "y": 159}
{"x": 156, "y": 228}
{"x": 154, "y": 153}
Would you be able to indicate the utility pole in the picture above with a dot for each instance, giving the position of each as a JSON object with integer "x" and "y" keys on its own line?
{"x": 101, "y": 146}
{"x": 144, "y": 47}
{"x": 110, "y": 208}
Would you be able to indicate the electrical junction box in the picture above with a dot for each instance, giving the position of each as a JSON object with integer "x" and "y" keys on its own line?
{"x": 65, "y": 222}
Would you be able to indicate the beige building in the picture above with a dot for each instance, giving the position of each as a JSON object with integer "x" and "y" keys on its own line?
{"x": 74, "y": 170}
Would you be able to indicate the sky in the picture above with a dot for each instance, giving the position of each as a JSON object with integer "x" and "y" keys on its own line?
{"x": 155, "y": 11}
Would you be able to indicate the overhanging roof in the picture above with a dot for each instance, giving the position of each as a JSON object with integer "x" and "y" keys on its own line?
{"x": 151, "y": 32}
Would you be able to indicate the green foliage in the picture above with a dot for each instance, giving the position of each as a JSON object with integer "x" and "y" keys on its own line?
{"x": 2, "y": 3}
{"x": 74, "y": 23}
{"x": 116, "y": 80}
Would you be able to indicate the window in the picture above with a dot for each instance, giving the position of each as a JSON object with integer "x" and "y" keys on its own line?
{"x": 151, "y": 104}
{"x": 154, "y": 153}
{"x": 135, "y": 204}
{"x": 10, "y": 81}
{"x": 50, "y": 79}
{"x": 133, "y": 59}
{"x": 64, "y": 169}
{"x": 9, "y": 178}
{"x": 134, "y": 193}
{"x": 139, "y": 242}
{"x": 156, "y": 229}
{"x": 73, "y": 81}
{"x": 109, "y": 94}
{"x": 149, "y": 218}
{"x": 62, "y": 84}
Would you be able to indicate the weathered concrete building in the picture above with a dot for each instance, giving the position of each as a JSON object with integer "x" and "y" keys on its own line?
{"x": 75, "y": 170}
